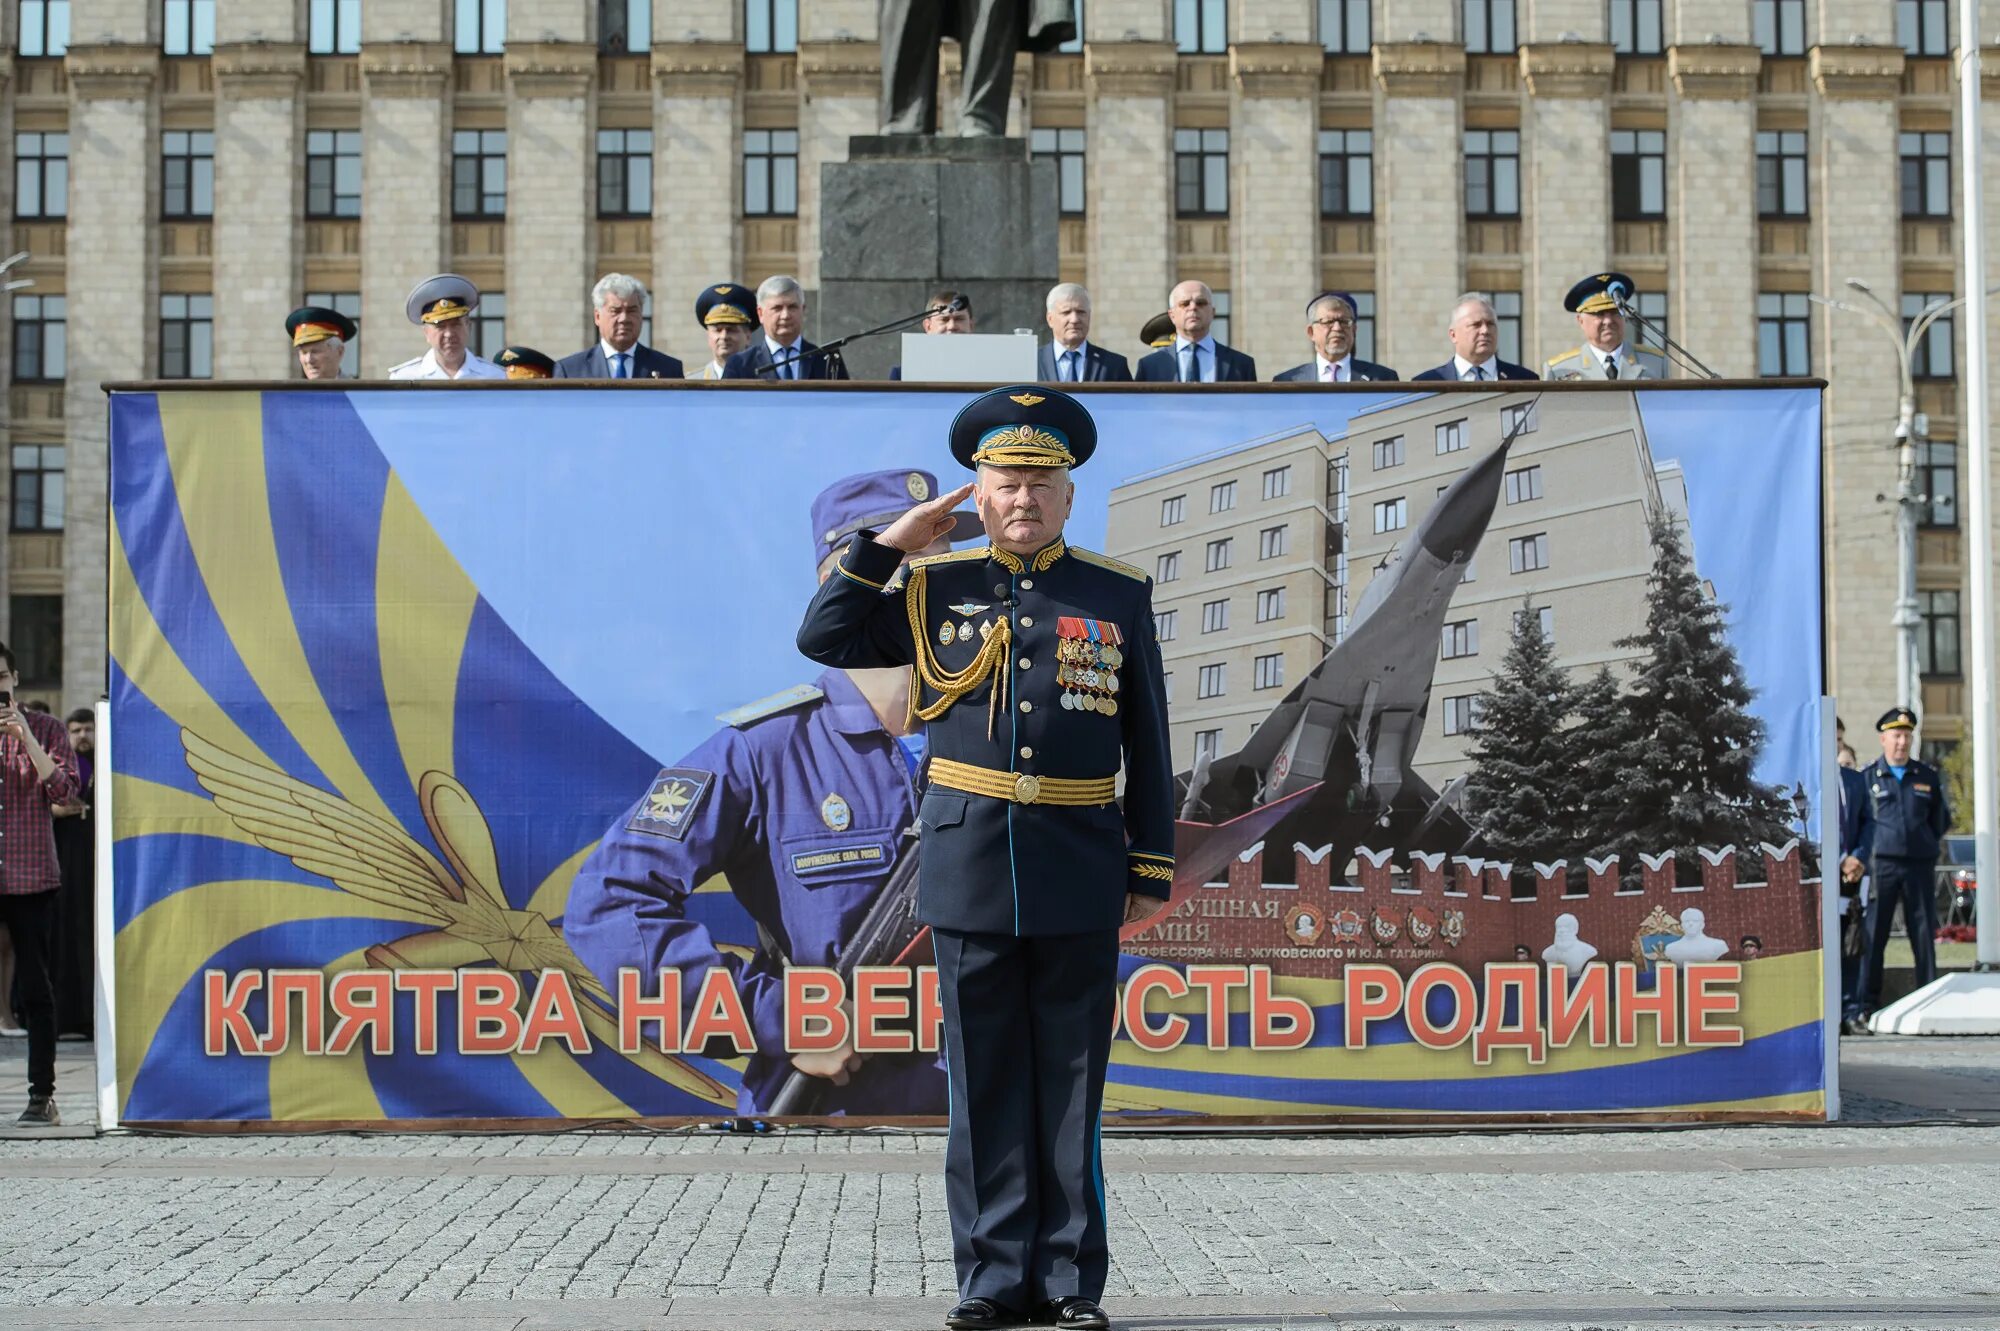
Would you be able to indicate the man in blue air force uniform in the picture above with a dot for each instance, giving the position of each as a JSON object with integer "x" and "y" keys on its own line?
{"x": 1906, "y": 801}
{"x": 1037, "y": 669}
{"x": 800, "y": 800}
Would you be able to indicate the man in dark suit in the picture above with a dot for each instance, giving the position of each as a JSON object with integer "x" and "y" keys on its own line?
{"x": 1072, "y": 358}
{"x": 1195, "y": 357}
{"x": 1331, "y": 319}
{"x": 619, "y": 309}
{"x": 1475, "y": 336}
{"x": 1857, "y": 847}
{"x": 781, "y": 352}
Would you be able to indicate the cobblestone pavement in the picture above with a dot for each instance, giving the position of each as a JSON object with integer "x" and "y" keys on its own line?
{"x": 1869, "y": 1225}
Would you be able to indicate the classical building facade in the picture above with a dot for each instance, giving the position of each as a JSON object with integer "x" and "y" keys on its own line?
{"x": 185, "y": 171}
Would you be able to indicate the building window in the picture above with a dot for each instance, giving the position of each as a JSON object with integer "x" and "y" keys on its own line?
{"x": 38, "y": 487}
{"x": 1271, "y": 671}
{"x": 1392, "y": 515}
{"x": 1207, "y": 743}
{"x": 1784, "y": 325}
{"x": 1273, "y": 542}
{"x": 1364, "y": 324}
{"x": 1461, "y": 714}
{"x": 349, "y": 304}
{"x": 1222, "y": 498}
{"x": 481, "y": 27}
{"x": 1173, "y": 510}
{"x": 1167, "y": 568}
{"x": 189, "y": 27}
{"x": 771, "y": 173}
{"x": 1064, "y": 147}
{"x": 1343, "y": 27}
{"x": 1507, "y": 320}
{"x": 1212, "y": 684}
{"x": 1937, "y": 478}
{"x": 1201, "y": 27}
{"x": 1545, "y": 620}
{"x": 1166, "y": 625}
{"x": 1201, "y": 172}
{"x": 1489, "y": 26}
{"x": 1926, "y": 163}
{"x": 40, "y": 342}
{"x": 1277, "y": 482}
{"x": 36, "y": 636}
{"x": 1524, "y": 485}
{"x": 1388, "y": 453}
{"x": 1451, "y": 437}
{"x": 479, "y": 173}
{"x": 1525, "y": 554}
{"x": 1215, "y": 616}
{"x": 1779, "y": 26}
{"x": 1519, "y": 418}
{"x": 187, "y": 173}
{"x": 333, "y": 27}
{"x": 1635, "y": 27}
{"x": 1923, "y": 27}
{"x": 624, "y": 26}
{"x": 1937, "y": 636}
{"x": 624, "y": 173}
{"x": 187, "y": 336}
{"x": 770, "y": 27}
{"x": 1652, "y": 307}
{"x": 1933, "y": 358}
{"x": 1346, "y": 173}
{"x": 1219, "y": 330}
{"x": 1492, "y": 173}
{"x": 1167, "y": 685}
{"x": 1218, "y": 555}
{"x": 333, "y": 173}
{"x": 44, "y": 27}
{"x": 1270, "y": 604}
{"x": 487, "y": 325}
{"x": 1638, "y": 174}
{"x": 1460, "y": 638}
{"x": 1781, "y": 172}
{"x": 41, "y": 175}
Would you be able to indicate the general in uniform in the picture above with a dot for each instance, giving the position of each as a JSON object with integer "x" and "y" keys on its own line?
{"x": 440, "y": 306}
{"x": 800, "y": 800}
{"x": 320, "y": 335}
{"x": 1604, "y": 353}
{"x": 1038, "y": 671}
{"x": 727, "y": 313}
{"x": 1906, "y": 801}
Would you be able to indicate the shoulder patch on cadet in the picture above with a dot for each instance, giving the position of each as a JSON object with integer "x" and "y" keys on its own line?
{"x": 955, "y": 556}
{"x": 1106, "y": 561}
{"x": 795, "y": 696}
{"x": 1571, "y": 354}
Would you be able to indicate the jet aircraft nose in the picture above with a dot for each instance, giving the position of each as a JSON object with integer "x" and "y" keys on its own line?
{"x": 1458, "y": 519}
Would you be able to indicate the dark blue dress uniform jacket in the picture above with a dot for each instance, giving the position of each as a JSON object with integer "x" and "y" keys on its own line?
{"x": 992, "y": 865}
{"x": 1911, "y": 815}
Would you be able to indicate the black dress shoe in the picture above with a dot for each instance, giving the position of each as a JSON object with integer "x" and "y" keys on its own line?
{"x": 40, "y": 1113}
{"x": 1074, "y": 1312}
{"x": 977, "y": 1314}
{"x": 1855, "y": 1026}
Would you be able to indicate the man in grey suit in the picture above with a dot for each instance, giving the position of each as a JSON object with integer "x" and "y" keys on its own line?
{"x": 618, "y": 304}
{"x": 1072, "y": 358}
{"x": 1331, "y": 323}
{"x": 988, "y": 33}
{"x": 1595, "y": 301}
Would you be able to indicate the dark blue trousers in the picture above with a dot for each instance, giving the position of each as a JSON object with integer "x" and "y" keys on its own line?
{"x": 1911, "y": 882}
{"x": 1027, "y": 1031}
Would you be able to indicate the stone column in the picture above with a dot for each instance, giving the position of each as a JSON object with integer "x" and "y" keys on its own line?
{"x": 1712, "y": 202}
{"x": 1565, "y": 174}
{"x": 1419, "y": 198}
{"x": 1128, "y": 161}
{"x": 1858, "y": 234}
{"x": 840, "y": 96}
{"x": 258, "y": 227}
{"x": 1274, "y": 195}
{"x": 406, "y": 207}
{"x": 113, "y": 309}
{"x": 551, "y": 182}
{"x": 697, "y": 127}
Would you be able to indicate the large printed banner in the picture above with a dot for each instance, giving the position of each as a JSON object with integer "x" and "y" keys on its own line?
{"x": 466, "y": 768}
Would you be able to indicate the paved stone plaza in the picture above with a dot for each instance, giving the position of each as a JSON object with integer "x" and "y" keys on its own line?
{"x": 1890, "y": 1221}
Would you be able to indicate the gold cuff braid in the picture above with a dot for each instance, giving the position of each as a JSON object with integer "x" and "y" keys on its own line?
{"x": 1157, "y": 872}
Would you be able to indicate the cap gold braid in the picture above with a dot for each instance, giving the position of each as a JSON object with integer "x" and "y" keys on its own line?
{"x": 1024, "y": 446}
{"x": 952, "y": 685}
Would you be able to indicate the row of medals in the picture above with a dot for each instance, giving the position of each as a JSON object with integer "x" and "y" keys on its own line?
{"x": 1086, "y": 670}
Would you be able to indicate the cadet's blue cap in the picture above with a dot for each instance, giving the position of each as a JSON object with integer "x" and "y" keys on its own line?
{"x": 876, "y": 499}
{"x": 1026, "y": 425}
{"x": 726, "y": 303}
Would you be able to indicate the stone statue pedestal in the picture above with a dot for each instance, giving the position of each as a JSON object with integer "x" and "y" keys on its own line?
{"x": 907, "y": 214}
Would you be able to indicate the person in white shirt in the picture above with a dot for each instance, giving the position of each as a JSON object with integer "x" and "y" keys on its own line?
{"x": 440, "y": 305}
{"x": 1604, "y": 355}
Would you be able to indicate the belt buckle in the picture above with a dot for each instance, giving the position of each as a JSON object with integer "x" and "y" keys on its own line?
{"x": 1027, "y": 788}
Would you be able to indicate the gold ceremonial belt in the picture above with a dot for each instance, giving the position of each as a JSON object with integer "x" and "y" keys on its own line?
{"x": 1020, "y": 787}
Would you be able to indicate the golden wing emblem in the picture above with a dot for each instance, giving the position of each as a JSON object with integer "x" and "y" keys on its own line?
{"x": 668, "y": 803}
{"x": 375, "y": 859}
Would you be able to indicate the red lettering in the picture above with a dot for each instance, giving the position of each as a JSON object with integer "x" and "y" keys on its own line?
{"x": 1169, "y": 1033}
{"x": 1571, "y": 1004}
{"x": 930, "y": 1011}
{"x": 1705, "y": 1003}
{"x": 1215, "y": 982}
{"x": 426, "y": 985}
{"x": 719, "y": 1014}
{"x": 309, "y": 987}
{"x": 487, "y": 1020}
{"x": 635, "y": 1011}
{"x": 553, "y": 1015}
{"x": 223, "y": 1016}
{"x": 815, "y": 1018}
{"x": 1277, "y": 1021}
{"x": 1495, "y": 1032}
{"x": 352, "y": 1015}
{"x": 1662, "y": 1004}
{"x": 1371, "y": 993}
{"x": 879, "y": 997}
{"x": 1465, "y": 1004}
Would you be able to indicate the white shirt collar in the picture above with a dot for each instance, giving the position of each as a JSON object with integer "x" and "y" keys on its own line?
{"x": 1207, "y": 344}
{"x": 431, "y": 359}
{"x": 1616, "y": 354}
{"x": 1323, "y": 362}
{"x": 1465, "y": 367}
{"x": 1082, "y": 349}
{"x": 611, "y": 351}
{"x": 777, "y": 348}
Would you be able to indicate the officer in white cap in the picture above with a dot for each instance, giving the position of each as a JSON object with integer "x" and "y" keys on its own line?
{"x": 439, "y": 305}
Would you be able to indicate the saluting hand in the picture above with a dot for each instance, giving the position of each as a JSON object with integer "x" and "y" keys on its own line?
{"x": 925, "y": 523}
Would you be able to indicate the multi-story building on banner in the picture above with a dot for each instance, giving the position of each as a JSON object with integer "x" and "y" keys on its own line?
{"x": 186, "y": 171}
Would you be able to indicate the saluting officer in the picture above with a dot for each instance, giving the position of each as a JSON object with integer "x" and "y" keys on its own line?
{"x": 439, "y": 305}
{"x": 727, "y": 313}
{"x": 319, "y": 337}
{"x": 1037, "y": 668}
{"x": 1603, "y": 355}
{"x": 1907, "y": 800}
{"x": 800, "y": 800}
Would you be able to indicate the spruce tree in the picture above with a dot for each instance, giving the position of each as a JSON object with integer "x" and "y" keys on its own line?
{"x": 1519, "y": 790}
{"x": 1598, "y": 747}
{"x": 1689, "y": 768}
